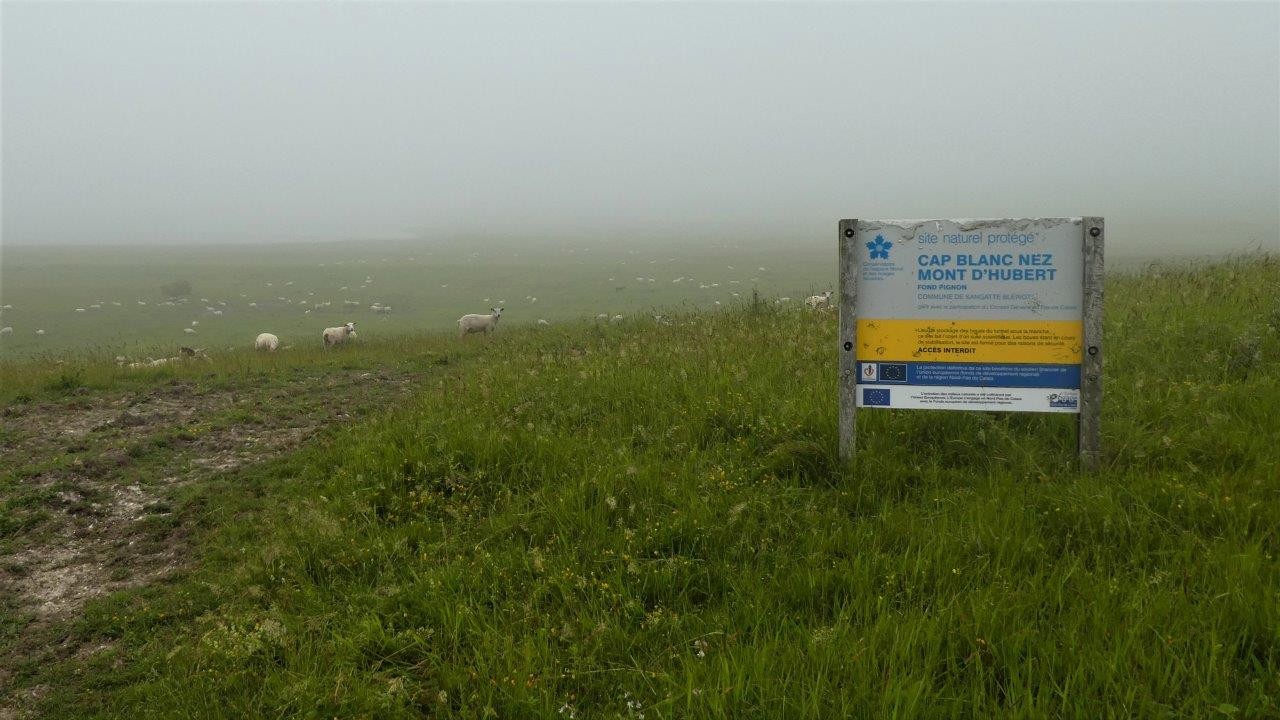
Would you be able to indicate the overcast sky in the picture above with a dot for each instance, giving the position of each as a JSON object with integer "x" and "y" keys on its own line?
{"x": 217, "y": 122}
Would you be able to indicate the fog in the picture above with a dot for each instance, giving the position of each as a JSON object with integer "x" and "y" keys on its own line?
{"x": 218, "y": 123}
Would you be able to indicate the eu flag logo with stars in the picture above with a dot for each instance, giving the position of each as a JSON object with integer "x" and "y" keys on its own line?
{"x": 874, "y": 397}
{"x": 893, "y": 372}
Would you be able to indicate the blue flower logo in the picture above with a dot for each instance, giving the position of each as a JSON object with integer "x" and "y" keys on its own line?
{"x": 879, "y": 248}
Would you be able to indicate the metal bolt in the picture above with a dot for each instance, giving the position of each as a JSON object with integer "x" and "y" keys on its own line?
{"x": 848, "y": 232}
{"x": 848, "y": 346}
{"x": 1095, "y": 231}
{"x": 1093, "y": 349}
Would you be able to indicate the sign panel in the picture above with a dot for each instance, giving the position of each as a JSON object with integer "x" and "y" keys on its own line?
{"x": 969, "y": 314}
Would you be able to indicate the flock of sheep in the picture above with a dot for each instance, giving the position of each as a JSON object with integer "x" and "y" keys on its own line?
{"x": 334, "y": 336}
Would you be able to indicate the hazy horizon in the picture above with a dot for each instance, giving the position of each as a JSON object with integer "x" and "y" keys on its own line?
{"x": 267, "y": 122}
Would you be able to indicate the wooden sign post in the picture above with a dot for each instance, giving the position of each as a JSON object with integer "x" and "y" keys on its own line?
{"x": 1001, "y": 315}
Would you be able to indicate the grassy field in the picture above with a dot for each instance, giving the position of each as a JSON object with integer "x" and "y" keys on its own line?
{"x": 427, "y": 285}
{"x": 648, "y": 520}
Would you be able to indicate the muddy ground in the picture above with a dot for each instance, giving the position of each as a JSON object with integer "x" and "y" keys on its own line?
{"x": 88, "y": 482}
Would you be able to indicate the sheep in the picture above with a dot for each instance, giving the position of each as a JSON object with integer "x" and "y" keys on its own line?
{"x": 40, "y": 333}
{"x": 80, "y": 310}
{"x": 6, "y": 330}
{"x": 267, "y": 341}
{"x": 183, "y": 354}
{"x": 818, "y": 302}
{"x": 338, "y": 335}
{"x": 543, "y": 322}
{"x": 473, "y": 323}
{"x": 189, "y": 331}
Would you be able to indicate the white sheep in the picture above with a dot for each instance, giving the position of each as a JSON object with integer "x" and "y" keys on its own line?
{"x": 473, "y": 323}
{"x": 267, "y": 341}
{"x": 338, "y": 335}
{"x": 818, "y": 302}
{"x": 189, "y": 331}
{"x": 543, "y": 322}
{"x": 40, "y": 333}
{"x": 6, "y": 330}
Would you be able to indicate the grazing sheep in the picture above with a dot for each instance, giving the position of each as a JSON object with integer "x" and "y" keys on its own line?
{"x": 189, "y": 331}
{"x": 40, "y": 332}
{"x": 543, "y": 322}
{"x": 473, "y": 323}
{"x": 267, "y": 341}
{"x": 818, "y": 302}
{"x": 184, "y": 353}
{"x": 6, "y": 330}
{"x": 338, "y": 335}
{"x": 80, "y": 310}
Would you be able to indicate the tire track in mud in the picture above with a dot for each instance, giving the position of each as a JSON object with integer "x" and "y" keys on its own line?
{"x": 94, "y": 475}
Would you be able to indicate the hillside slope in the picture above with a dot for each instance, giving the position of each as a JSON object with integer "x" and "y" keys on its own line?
{"x": 647, "y": 520}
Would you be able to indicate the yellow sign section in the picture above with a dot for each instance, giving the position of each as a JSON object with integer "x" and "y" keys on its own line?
{"x": 986, "y": 341}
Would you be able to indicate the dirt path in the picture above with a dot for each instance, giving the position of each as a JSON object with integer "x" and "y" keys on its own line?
{"x": 89, "y": 483}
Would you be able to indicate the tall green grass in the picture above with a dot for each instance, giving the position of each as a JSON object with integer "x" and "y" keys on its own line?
{"x": 650, "y": 520}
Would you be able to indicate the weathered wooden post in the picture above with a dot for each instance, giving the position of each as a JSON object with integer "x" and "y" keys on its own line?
{"x": 1090, "y": 431}
{"x": 848, "y": 338}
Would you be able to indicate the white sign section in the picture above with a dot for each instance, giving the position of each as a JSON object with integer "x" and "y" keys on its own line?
{"x": 970, "y": 314}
